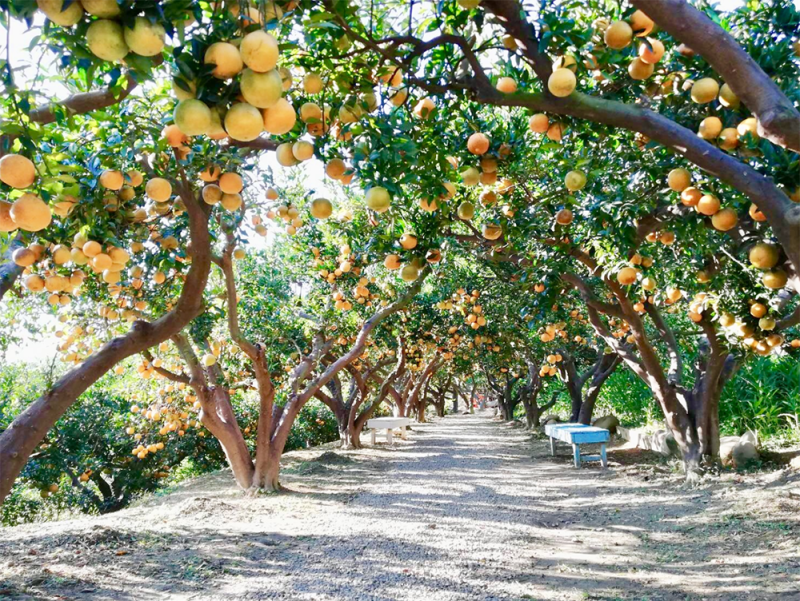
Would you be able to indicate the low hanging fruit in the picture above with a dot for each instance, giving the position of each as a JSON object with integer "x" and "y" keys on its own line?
{"x": 764, "y": 256}
{"x": 478, "y": 143}
{"x": 506, "y": 85}
{"x": 261, "y": 90}
{"x": 641, "y": 24}
{"x": 618, "y": 35}
{"x": 492, "y": 231}
{"x": 244, "y": 122}
{"x": 321, "y": 208}
{"x": 230, "y": 183}
{"x": 106, "y": 40}
{"x": 409, "y": 272}
{"x": 710, "y": 128}
{"x": 17, "y": 171}
{"x": 627, "y": 276}
{"x": 392, "y": 262}
{"x": 651, "y": 51}
{"x": 226, "y": 60}
{"x": 679, "y": 179}
{"x": 192, "y": 117}
{"x": 564, "y": 217}
{"x": 708, "y": 204}
{"x": 408, "y": 241}
{"x": 724, "y": 220}
{"x": 705, "y": 90}
{"x": 575, "y": 180}
{"x": 280, "y": 118}
{"x": 158, "y": 189}
{"x": 259, "y": 51}
{"x": 378, "y": 199}
{"x": 561, "y": 82}
{"x": 145, "y": 38}
{"x": 424, "y": 108}
{"x": 30, "y": 213}
{"x": 640, "y": 70}
{"x": 539, "y": 123}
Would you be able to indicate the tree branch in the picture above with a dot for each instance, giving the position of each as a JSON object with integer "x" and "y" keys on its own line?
{"x": 86, "y": 102}
{"x": 675, "y": 374}
{"x": 778, "y": 119}
{"x": 165, "y": 372}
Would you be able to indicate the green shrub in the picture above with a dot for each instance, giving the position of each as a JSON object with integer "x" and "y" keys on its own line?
{"x": 764, "y": 397}
{"x": 315, "y": 425}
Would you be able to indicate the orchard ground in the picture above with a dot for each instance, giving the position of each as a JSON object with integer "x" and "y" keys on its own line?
{"x": 467, "y": 508}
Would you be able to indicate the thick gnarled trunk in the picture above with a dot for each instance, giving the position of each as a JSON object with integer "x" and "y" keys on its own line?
{"x": 217, "y": 415}
{"x": 583, "y": 399}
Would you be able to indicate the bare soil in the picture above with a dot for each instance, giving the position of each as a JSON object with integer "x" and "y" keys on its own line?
{"x": 466, "y": 509}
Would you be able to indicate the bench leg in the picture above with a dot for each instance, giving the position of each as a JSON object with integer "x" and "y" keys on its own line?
{"x": 603, "y": 458}
{"x": 576, "y": 453}
{"x": 552, "y": 446}
{"x": 389, "y": 438}
{"x": 372, "y": 436}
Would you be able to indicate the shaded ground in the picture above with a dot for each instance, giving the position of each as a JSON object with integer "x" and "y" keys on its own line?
{"x": 466, "y": 509}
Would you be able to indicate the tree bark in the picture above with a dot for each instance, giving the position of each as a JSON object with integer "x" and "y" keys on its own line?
{"x": 530, "y": 396}
{"x": 267, "y": 475}
{"x": 715, "y": 366}
{"x": 607, "y": 365}
{"x": 573, "y": 381}
{"x": 217, "y": 415}
{"x": 416, "y": 400}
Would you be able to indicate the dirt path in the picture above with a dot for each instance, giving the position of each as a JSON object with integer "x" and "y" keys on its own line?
{"x": 467, "y": 509}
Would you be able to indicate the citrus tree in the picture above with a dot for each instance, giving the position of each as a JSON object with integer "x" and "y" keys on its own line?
{"x": 636, "y": 161}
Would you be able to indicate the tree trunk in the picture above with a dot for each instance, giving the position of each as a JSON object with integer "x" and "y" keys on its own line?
{"x": 508, "y": 400}
{"x": 267, "y": 470}
{"x": 573, "y": 381}
{"x": 712, "y": 373}
{"x": 217, "y": 415}
{"x": 400, "y": 406}
{"x": 502, "y": 410}
{"x": 344, "y": 435}
{"x": 421, "y": 406}
{"x": 343, "y": 425}
{"x": 355, "y": 433}
{"x": 607, "y": 365}
{"x": 577, "y": 403}
{"x": 267, "y": 476}
{"x": 531, "y": 413}
{"x": 683, "y": 429}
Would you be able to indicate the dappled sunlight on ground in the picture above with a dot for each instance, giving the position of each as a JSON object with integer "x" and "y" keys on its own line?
{"x": 466, "y": 508}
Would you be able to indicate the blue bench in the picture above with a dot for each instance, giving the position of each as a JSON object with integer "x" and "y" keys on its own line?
{"x": 576, "y": 435}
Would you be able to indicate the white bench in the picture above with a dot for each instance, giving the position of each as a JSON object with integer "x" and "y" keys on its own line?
{"x": 388, "y": 424}
{"x": 576, "y": 435}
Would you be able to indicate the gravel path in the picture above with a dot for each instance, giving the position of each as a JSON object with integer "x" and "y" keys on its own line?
{"x": 466, "y": 509}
